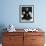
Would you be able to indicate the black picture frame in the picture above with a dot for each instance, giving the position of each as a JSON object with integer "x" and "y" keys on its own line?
{"x": 26, "y": 13}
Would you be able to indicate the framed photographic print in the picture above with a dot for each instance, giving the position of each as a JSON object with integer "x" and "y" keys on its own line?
{"x": 26, "y": 13}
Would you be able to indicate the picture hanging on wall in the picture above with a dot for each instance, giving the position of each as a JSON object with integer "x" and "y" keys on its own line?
{"x": 26, "y": 13}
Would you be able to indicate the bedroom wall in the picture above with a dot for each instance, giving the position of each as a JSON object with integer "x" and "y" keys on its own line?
{"x": 9, "y": 13}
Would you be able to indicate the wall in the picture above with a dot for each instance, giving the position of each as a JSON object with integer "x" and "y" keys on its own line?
{"x": 9, "y": 13}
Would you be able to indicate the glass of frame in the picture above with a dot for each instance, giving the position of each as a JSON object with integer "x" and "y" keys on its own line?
{"x": 26, "y": 13}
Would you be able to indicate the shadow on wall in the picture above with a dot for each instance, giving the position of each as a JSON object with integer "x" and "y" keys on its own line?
{"x": 2, "y": 26}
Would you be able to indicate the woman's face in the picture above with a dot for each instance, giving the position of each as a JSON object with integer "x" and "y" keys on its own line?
{"x": 27, "y": 9}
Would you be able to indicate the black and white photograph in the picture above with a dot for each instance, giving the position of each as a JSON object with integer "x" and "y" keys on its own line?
{"x": 26, "y": 13}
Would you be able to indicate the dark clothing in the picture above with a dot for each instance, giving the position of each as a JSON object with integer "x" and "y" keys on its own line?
{"x": 27, "y": 16}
